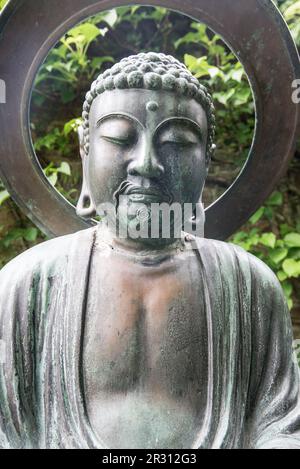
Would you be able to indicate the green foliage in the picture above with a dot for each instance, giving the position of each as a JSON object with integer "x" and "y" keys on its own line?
{"x": 69, "y": 60}
{"x": 291, "y": 13}
{"x": 2, "y": 4}
{"x": 279, "y": 248}
{"x": 4, "y": 195}
{"x": 28, "y": 234}
{"x": 226, "y": 79}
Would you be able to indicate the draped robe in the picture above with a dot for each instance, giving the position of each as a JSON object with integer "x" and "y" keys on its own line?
{"x": 253, "y": 397}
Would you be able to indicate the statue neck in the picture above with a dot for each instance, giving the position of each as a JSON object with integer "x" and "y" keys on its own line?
{"x": 139, "y": 245}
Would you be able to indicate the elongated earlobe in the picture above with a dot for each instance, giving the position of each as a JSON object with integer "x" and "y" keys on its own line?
{"x": 85, "y": 207}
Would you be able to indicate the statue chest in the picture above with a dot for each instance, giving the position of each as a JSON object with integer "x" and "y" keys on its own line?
{"x": 145, "y": 342}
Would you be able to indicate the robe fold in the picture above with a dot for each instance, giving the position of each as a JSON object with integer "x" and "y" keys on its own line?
{"x": 253, "y": 392}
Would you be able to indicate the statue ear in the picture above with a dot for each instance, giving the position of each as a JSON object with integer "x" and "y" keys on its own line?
{"x": 85, "y": 207}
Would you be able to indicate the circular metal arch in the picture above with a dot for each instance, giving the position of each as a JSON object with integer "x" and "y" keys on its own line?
{"x": 253, "y": 29}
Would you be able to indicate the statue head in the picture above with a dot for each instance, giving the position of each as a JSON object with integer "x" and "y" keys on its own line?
{"x": 147, "y": 133}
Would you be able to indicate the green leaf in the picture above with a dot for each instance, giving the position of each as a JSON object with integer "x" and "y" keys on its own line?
{"x": 288, "y": 291}
{"x": 111, "y": 17}
{"x": 223, "y": 97}
{"x": 284, "y": 229}
{"x": 294, "y": 253}
{"x": 85, "y": 32}
{"x": 241, "y": 235}
{"x": 53, "y": 178}
{"x": 268, "y": 239}
{"x": 276, "y": 199}
{"x": 269, "y": 213}
{"x": 4, "y": 195}
{"x": 2, "y": 4}
{"x": 277, "y": 255}
{"x": 30, "y": 234}
{"x": 213, "y": 71}
{"x": 291, "y": 267}
{"x": 72, "y": 125}
{"x": 134, "y": 9}
{"x": 64, "y": 168}
{"x": 200, "y": 67}
{"x": 281, "y": 275}
{"x": 257, "y": 215}
{"x": 287, "y": 288}
{"x": 98, "y": 61}
{"x": 292, "y": 240}
{"x": 292, "y": 11}
{"x": 242, "y": 96}
{"x": 237, "y": 75}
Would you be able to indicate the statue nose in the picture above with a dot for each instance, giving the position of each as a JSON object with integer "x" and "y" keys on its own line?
{"x": 145, "y": 163}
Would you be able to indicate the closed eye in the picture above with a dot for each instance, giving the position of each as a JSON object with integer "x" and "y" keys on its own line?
{"x": 122, "y": 141}
{"x": 182, "y": 143}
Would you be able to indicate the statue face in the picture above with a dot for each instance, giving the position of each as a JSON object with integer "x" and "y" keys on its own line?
{"x": 153, "y": 142}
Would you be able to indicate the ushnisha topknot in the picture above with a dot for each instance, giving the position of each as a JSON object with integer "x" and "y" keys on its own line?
{"x": 153, "y": 71}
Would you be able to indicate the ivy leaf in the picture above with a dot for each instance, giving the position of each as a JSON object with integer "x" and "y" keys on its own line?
{"x": 257, "y": 215}
{"x": 292, "y": 240}
{"x": 53, "y": 179}
{"x": 284, "y": 229}
{"x": 281, "y": 275}
{"x": 242, "y": 96}
{"x": 30, "y": 234}
{"x": 64, "y": 169}
{"x": 268, "y": 239}
{"x": 237, "y": 75}
{"x": 223, "y": 97}
{"x": 240, "y": 236}
{"x": 276, "y": 199}
{"x": 291, "y": 268}
{"x": 294, "y": 253}
{"x": 287, "y": 288}
{"x": 4, "y": 195}
{"x": 277, "y": 255}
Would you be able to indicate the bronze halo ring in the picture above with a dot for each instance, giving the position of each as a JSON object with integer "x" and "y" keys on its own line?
{"x": 254, "y": 30}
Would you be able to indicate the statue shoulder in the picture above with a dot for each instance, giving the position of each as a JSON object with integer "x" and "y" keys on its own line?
{"x": 229, "y": 252}
{"x": 46, "y": 255}
{"x": 260, "y": 271}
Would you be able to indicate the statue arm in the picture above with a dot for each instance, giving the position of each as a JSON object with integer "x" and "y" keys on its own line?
{"x": 17, "y": 417}
{"x": 274, "y": 417}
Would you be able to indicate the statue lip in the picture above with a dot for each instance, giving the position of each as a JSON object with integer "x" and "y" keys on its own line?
{"x": 140, "y": 193}
{"x": 143, "y": 193}
{"x": 143, "y": 190}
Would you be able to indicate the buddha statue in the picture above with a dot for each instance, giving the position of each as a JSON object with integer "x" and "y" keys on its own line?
{"x": 142, "y": 340}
